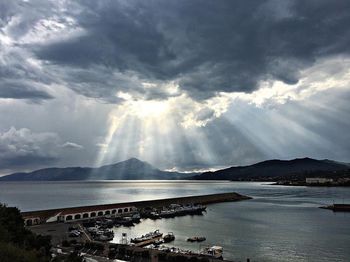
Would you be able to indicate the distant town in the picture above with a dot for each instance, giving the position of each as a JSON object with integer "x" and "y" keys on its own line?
{"x": 335, "y": 178}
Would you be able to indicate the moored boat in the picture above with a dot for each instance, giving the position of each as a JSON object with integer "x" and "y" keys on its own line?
{"x": 214, "y": 251}
{"x": 196, "y": 239}
{"x": 169, "y": 237}
{"x": 146, "y": 237}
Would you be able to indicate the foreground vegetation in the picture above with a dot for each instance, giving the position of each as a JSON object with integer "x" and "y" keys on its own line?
{"x": 18, "y": 244}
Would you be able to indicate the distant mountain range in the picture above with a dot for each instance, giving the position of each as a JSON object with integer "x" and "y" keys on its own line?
{"x": 271, "y": 170}
{"x": 134, "y": 169}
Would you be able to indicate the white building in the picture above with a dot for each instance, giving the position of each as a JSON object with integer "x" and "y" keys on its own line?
{"x": 77, "y": 213}
{"x": 318, "y": 180}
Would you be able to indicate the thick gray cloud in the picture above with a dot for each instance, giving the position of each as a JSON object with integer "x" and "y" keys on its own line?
{"x": 206, "y": 46}
{"x": 22, "y": 90}
{"x": 99, "y": 49}
{"x": 60, "y": 54}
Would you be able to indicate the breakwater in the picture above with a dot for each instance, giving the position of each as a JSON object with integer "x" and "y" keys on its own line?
{"x": 199, "y": 199}
{"x": 86, "y": 212}
{"x": 338, "y": 207}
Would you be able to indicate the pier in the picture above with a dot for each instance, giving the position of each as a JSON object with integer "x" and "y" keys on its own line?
{"x": 338, "y": 207}
{"x": 70, "y": 214}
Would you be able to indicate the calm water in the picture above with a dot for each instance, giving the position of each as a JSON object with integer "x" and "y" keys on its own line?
{"x": 279, "y": 224}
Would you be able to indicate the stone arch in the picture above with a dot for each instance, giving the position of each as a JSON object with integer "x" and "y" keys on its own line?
{"x": 100, "y": 213}
{"x": 86, "y": 215}
{"x": 69, "y": 217}
{"x": 108, "y": 212}
{"x": 77, "y": 216}
{"x": 93, "y": 214}
{"x": 36, "y": 221}
{"x": 29, "y": 222}
{"x": 126, "y": 209}
{"x": 114, "y": 211}
{"x": 120, "y": 211}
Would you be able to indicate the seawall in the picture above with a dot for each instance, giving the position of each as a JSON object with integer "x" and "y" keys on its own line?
{"x": 198, "y": 199}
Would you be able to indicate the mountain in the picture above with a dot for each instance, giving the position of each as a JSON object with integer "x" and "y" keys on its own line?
{"x": 132, "y": 169}
{"x": 274, "y": 169}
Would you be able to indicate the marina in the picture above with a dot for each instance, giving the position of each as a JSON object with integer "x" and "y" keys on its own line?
{"x": 97, "y": 223}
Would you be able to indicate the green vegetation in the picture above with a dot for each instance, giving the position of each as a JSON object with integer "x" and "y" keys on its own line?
{"x": 73, "y": 257}
{"x": 18, "y": 244}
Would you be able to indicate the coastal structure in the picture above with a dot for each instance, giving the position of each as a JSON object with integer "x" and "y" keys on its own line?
{"x": 76, "y": 213}
{"x": 338, "y": 207}
{"x": 71, "y": 214}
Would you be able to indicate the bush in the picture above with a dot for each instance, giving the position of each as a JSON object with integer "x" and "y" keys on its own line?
{"x": 145, "y": 254}
{"x": 11, "y": 253}
{"x": 193, "y": 259}
{"x": 162, "y": 257}
{"x": 73, "y": 242}
{"x": 18, "y": 243}
{"x": 73, "y": 257}
{"x": 65, "y": 243}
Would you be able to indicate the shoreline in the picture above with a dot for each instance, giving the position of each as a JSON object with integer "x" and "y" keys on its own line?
{"x": 299, "y": 184}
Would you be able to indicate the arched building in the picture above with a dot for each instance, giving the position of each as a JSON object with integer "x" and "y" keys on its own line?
{"x": 76, "y": 213}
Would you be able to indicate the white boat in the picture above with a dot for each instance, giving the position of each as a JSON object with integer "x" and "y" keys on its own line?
{"x": 148, "y": 236}
{"x": 214, "y": 251}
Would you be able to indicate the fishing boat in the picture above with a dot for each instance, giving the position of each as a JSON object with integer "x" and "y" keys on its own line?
{"x": 153, "y": 215}
{"x": 151, "y": 235}
{"x": 196, "y": 239}
{"x": 104, "y": 235}
{"x": 214, "y": 251}
{"x": 136, "y": 217}
{"x": 169, "y": 237}
{"x": 168, "y": 213}
{"x": 124, "y": 221}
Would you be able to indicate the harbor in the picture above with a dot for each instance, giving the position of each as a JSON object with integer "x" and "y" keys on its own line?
{"x": 99, "y": 224}
{"x": 227, "y": 224}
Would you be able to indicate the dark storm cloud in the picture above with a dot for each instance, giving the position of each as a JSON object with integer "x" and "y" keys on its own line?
{"x": 19, "y": 78}
{"x": 207, "y": 46}
{"x": 20, "y": 90}
{"x": 100, "y": 49}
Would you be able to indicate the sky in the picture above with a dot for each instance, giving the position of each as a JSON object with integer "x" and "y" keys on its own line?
{"x": 185, "y": 85}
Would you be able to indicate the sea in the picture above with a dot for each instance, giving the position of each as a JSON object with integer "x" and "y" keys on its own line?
{"x": 280, "y": 223}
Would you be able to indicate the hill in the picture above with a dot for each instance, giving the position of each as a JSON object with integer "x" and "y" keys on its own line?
{"x": 274, "y": 169}
{"x": 132, "y": 169}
